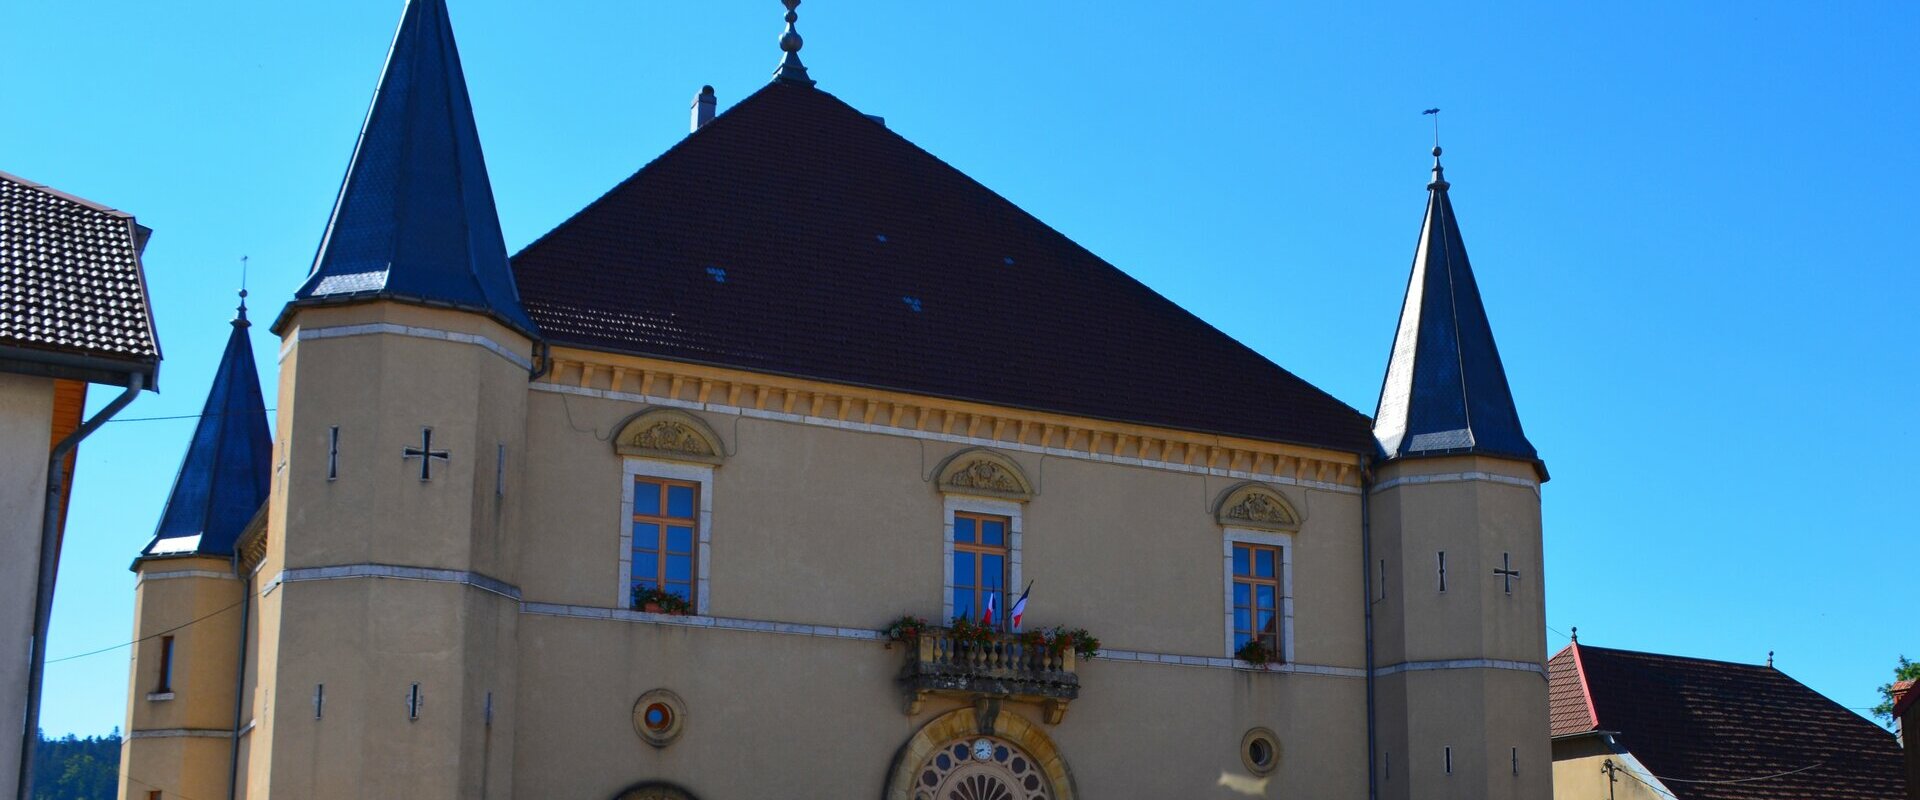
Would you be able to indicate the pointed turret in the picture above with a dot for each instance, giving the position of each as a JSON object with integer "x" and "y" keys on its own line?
{"x": 223, "y": 480}
{"x": 1446, "y": 392}
{"x": 415, "y": 220}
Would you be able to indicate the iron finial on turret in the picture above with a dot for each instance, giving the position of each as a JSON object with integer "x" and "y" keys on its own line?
{"x": 791, "y": 70}
{"x": 1439, "y": 173}
{"x": 1576, "y": 634}
{"x": 240, "y": 317}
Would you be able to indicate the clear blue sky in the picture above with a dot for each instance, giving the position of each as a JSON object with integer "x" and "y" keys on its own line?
{"x": 1693, "y": 224}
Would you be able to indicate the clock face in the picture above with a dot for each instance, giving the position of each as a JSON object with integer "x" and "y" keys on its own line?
{"x": 982, "y": 749}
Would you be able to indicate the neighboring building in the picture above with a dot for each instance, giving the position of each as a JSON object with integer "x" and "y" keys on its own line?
{"x": 73, "y": 311}
{"x": 1630, "y": 725}
{"x": 1906, "y": 715}
{"x": 807, "y": 378}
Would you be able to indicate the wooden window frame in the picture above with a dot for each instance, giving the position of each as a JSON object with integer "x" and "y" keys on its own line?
{"x": 1253, "y": 582}
{"x": 662, "y": 521}
{"x": 975, "y": 551}
{"x": 1282, "y": 544}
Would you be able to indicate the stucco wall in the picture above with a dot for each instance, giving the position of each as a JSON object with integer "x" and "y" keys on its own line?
{"x": 1579, "y": 774}
{"x": 827, "y": 526}
{"x": 178, "y": 739}
{"x": 813, "y": 523}
{"x": 26, "y": 417}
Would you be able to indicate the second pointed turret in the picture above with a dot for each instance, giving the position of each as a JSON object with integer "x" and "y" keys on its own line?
{"x": 224, "y": 478}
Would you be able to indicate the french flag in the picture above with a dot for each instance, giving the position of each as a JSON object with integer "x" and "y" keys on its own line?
{"x": 986, "y": 611}
{"x": 1019, "y": 607}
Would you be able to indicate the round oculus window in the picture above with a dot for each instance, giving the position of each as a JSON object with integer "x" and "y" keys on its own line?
{"x": 1260, "y": 751}
{"x": 659, "y": 716}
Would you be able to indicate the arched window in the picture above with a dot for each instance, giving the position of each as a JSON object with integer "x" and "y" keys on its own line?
{"x": 1258, "y": 528}
{"x": 984, "y": 492}
{"x": 666, "y": 499}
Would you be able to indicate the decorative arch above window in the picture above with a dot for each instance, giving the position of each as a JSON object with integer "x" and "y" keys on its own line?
{"x": 654, "y": 790}
{"x": 979, "y": 471}
{"x": 669, "y": 434}
{"x": 1258, "y": 506}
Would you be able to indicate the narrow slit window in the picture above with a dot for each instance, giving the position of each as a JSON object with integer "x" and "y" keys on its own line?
{"x": 1449, "y": 761}
{"x": 165, "y": 682}
{"x": 1443, "y": 570}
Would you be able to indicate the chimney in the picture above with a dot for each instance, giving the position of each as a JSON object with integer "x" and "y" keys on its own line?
{"x": 702, "y": 108}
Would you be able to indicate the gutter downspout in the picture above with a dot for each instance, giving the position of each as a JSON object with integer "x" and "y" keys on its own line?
{"x": 239, "y": 675}
{"x": 50, "y": 523}
{"x": 1366, "y": 580}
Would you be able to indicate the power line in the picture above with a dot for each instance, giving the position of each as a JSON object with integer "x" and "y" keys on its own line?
{"x": 180, "y": 416}
{"x": 236, "y": 604}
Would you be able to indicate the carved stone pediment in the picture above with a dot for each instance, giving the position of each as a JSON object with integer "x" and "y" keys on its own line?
{"x": 1254, "y": 505}
{"x": 669, "y": 434}
{"x": 980, "y": 471}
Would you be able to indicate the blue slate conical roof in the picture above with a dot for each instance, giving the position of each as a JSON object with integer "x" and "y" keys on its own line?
{"x": 1446, "y": 392}
{"x": 223, "y": 480}
{"x": 415, "y": 220}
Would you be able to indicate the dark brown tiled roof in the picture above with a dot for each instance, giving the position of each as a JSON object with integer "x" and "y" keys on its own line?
{"x": 1709, "y": 729}
{"x": 70, "y": 278}
{"x": 794, "y": 235}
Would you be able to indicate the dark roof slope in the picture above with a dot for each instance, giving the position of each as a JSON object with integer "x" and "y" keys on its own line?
{"x": 1446, "y": 391}
{"x": 223, "y": 479}
{"x": 415, "y": 220}
{"x": 71, "y": 285}
{"x": 1707, "y": 728}
{"x": 794, "y": 235}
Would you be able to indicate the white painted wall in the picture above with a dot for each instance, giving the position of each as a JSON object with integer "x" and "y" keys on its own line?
{"x": 26, "y": 425}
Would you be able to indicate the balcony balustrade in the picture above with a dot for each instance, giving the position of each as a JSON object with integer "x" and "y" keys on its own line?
{"x": 1000, "y": 666}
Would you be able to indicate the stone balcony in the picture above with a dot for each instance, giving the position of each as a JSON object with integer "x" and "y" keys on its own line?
{"x": 1002, "y": 667}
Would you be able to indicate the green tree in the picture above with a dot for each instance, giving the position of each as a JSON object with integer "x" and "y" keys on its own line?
{"x": 72, "y": 768}
{"x": 1907, "y": 671}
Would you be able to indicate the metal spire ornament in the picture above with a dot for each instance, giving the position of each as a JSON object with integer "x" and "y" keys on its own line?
{"x": 791, "y": 70}
{"x": 240, "y": 320}
{"x": 1439, "y": 173}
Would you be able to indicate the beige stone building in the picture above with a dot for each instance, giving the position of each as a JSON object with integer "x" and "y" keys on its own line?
{"x": 647, "y": 510}
{"x": 73, "y": 312}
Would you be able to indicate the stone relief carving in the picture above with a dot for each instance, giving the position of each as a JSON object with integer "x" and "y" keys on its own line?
{"x": 1260, "y": 507}
{"x": 1253, "y": 505}
{"x": 672, "y": 436}
{"x": 982, "y": 471}
{"x": 984, "y": 474}
{"x": 667, "y": 433}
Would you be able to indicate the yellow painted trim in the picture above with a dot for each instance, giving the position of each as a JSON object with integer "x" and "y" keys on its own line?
{"x": 656, "y": 379}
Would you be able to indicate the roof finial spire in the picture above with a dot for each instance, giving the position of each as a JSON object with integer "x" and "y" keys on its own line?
{"x": 1439, "y": 173}
{"x": 240, "y": 320}
{"x": 791, "y": 70}
{"x": 1769, "y": 658}
{"x": 1576, "y": 634}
